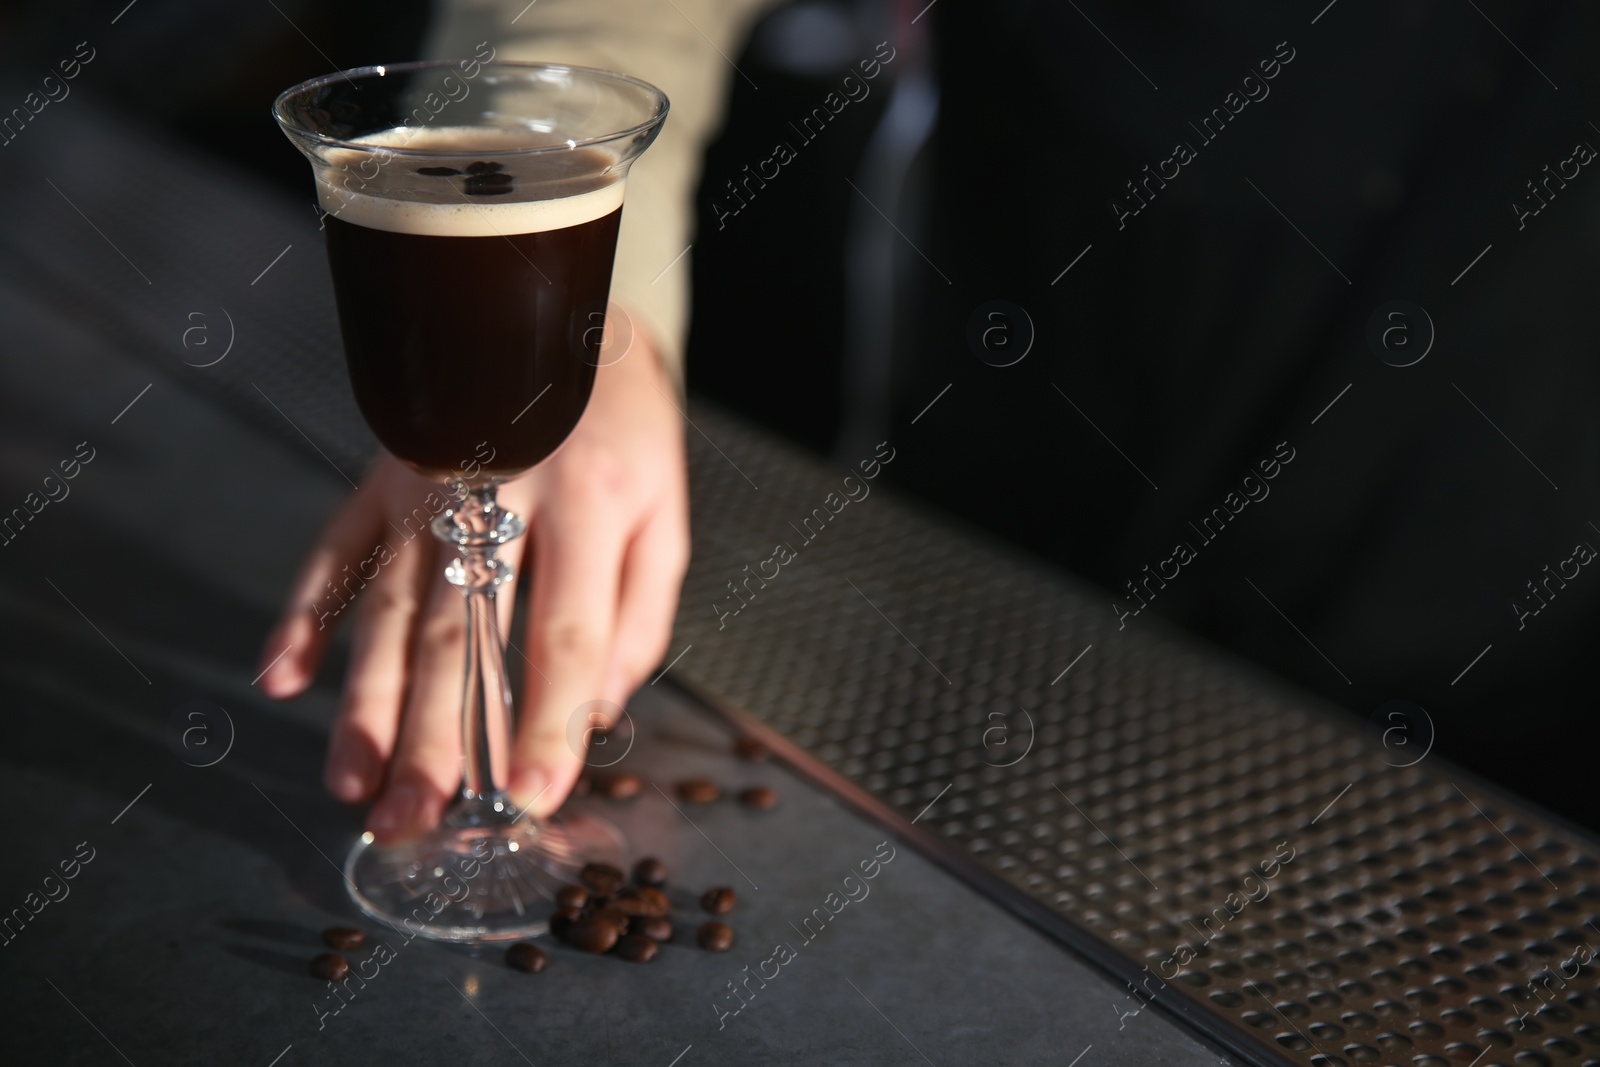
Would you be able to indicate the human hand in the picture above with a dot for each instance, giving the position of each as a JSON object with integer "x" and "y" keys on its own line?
{"x": 606, "y": 548}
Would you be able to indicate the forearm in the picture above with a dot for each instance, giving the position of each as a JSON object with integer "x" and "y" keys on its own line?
{"x": 682, "y": 47}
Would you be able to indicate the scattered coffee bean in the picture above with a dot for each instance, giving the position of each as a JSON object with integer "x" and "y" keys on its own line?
{"x": 561, "y": 921}
{"x": 714, "y": 936}
{"x": 645, "y": 900}
{"x": 571, "y": 896}
{"x": 525, "y": 957}
{"x": 487, "y": 185}
{"x": 718, "y": 901}
{"x": 329, "y": 966}
{"x": 655, "y": 927}
{"x": 750, "y": 750}
{"x": 698, "y": 790}
{"x": 583, "y": 786}
{"x": 629, "y": 905}
{"x": 612, "y": 915}
{"x": 650, "y": 871}
{"x": 437, "y": 172}
{"x": 482, "y": 167}
{"x": 759, "y": 798}
{"x": 343, "y": 938}
{"x": 636, "y": 948}
{"x": 602, "y": 879}
{"x": 619, "y": 786}
{"x": 592, "y": 935}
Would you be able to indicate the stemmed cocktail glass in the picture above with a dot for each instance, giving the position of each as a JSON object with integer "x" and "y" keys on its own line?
{"x": 471, "y": 212}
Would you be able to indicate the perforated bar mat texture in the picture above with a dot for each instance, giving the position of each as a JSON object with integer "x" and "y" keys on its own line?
{"x": 1254, "y": 862}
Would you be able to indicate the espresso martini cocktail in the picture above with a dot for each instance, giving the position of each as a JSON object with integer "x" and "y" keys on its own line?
{"x": 471, "y": 224}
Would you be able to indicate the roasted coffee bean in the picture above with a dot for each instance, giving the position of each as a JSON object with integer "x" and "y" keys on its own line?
{"x": 583, "y": 786}
{"x": 619, "y": 786}
{"x": 629, "y": 905}
{"x": 750, "y": 750}
{"x": 592, "y": 935}
{"x": 759, "y": 798}
{"x": 612, "y": 915}
{"x": 698, "y": 790}
{"x": 487, "y": 185}
{"x": 525, "y": 957}
{"x": 714, "y": 936}
{"x": 644, "y": 900}
{"x": 482, "y": 167}
{"x": 329, "y": 966}
{"x": 602, "y": 879}
{"x": 655, "y": 927}
{"x": 437, "y": 172}
{"x": 487, "y": 181}
{"x": 343, "y": 938}
{"x": 571, "y": 896}
{"x": 561, "y": 920}
{"x": 636, "y": 948}
{"x": 718, "y": 901}
{"x": 650, "y": 871}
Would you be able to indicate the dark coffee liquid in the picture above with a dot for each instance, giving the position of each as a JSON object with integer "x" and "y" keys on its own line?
{"x": 450, "y": 339}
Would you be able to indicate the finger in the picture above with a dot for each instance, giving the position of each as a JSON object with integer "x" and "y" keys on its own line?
{"x": 577, "y": 566}
{"x": 295, "y": 646}
{"x": 425, "y": 771}
{"x": 652, "y": 577}
{"x": 365, "y": 728}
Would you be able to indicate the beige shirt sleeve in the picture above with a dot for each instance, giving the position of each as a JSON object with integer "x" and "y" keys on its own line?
{"x": 683, "y": 47}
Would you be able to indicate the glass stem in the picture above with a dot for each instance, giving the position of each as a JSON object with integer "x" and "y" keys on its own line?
{"x": 478, "y": 526}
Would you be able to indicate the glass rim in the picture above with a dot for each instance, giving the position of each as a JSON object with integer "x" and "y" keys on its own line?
{"x": 280, "y": 109}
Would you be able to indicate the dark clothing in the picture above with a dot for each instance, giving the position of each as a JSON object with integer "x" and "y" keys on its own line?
{"x": 1207, "y": 329}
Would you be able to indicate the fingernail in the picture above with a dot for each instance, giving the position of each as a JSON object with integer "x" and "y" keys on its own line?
{"x": 529, "y": 787}
{"x": 395, "y": 813}
{"x": 276, "y": 670}
{"x": 347, "y": 781}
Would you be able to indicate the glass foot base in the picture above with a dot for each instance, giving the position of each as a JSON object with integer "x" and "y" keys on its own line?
{"x": 480, "y": 875}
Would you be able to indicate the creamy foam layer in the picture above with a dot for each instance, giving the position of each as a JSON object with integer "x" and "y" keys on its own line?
{"x": 548, "y": 191}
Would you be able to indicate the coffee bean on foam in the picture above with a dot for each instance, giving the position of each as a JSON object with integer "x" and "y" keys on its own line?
{"x": 487, "y": 185}
{"x": 573, "y": 186}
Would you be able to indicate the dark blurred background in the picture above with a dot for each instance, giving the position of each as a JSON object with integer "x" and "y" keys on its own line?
{"x": 1169, "y": 351}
